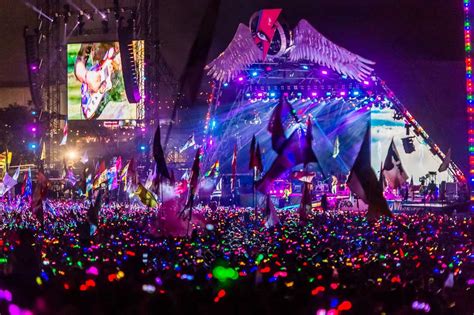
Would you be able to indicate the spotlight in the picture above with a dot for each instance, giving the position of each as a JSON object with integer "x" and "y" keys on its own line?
{"x": 254, "y": 73}
{"x": 355, "y": 93}
{"x": 240, "y": 79}
{"x": 272, "y": 94}
{"x": 142, "y": 147}
{"x": 343, "y": 93}
{"x": 305, "y": 67}
{"x": 314, "y": 94}
{"x": 71, "y": 154}
{"x": 226, "y": 84}
{"x": 32, "y": 146}
{"x": 324, "y": 72}
{"x": 366, "y": 82}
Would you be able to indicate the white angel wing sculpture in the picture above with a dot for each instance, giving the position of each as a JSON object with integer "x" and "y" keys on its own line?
{"x": 312, "y": 46}
{"x": 241, "y": 52}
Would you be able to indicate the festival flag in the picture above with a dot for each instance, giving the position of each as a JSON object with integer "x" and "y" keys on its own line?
{"x": 252, "y": 159}
{"x": 195, "y": 170}
{"x": 189, "y": 143}
{"x": 258, "y": 159}
{"x": 335, "y": 151}
{"x": 445, "y": 164}
{"x": 99, "y": 169}
{"x": 93, "y": 211}
{"x": 233, "y": 180}
{"x": 41, "y": 190}
{"x": 112, "y": 182}
{"x": 393, "y": 169}
{"x": 214, "y": 170}
{"x": 5, "y": 160}
{"x": 26, "y": 188}
{"x": 306, "y": 204}
{"x": 70, "y": 177}
{"x": 89, "y": 185}
{"x": 159, "y": 155}
{"x": 190, "y": 80}
{"x": 275, "y": 126}
{"x": 363, "y": 182}
{"x": 17, "y": 174}
{"x": 146, "y": 196}
{"x": 65, "y": 131}
{"x": 294, "y": 151}
{"x": 8, "y": 183}
{"x": 186, "y": 213}
{"x": 123, "y": 173}
{"x": 271, "y": 216}
{"x": 309, "y": 155}
{"x": 118, "y": 165}
{"x": 84, "y": 158}
{"x": 131, "y": 177}
{"x": 100, "y": 176}
{"x": 151, "y": 178}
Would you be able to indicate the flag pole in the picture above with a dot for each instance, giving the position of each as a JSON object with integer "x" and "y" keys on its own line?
{"x": 254, "y": 192}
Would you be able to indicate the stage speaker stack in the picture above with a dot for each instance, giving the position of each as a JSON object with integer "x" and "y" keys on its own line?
{"x": 451, "y": 191}
{"x": 130, "y": 78}
{"x": 33, "y": 64}
{"x": 408, "y": 145}
{"x": 442, "y": 190}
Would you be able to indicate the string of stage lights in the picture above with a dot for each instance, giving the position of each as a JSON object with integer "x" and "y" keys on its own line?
{"x": 469, "y": 91}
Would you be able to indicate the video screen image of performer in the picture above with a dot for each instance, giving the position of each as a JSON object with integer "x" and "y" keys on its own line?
{"x": 95, "y": 83}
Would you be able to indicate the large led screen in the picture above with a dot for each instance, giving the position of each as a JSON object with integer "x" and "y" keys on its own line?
{"x": 417, "y": 164}
{"x": 95, "y": 85}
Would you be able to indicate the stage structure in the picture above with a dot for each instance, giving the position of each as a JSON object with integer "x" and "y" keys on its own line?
{"x": 469, "y": 90}
{"x": 267, "y": 61}
{"x": 63, "y": 28}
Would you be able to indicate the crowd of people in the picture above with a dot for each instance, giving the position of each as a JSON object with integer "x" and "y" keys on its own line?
{"x": 337, "y": 263}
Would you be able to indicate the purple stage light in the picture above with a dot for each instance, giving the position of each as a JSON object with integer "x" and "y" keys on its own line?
{"x": 33, "y": 129}
{"x": 240, "y": 79}
{"x": 366, "y": 82}
{"x": 324, "y": 72}
{"x": 343, "y": 93}
{"x": 314, "y": 94}
{"x": 259, "y": 94}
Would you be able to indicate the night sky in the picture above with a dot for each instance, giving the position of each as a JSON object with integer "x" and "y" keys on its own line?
{"x": 418, "y": 47}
